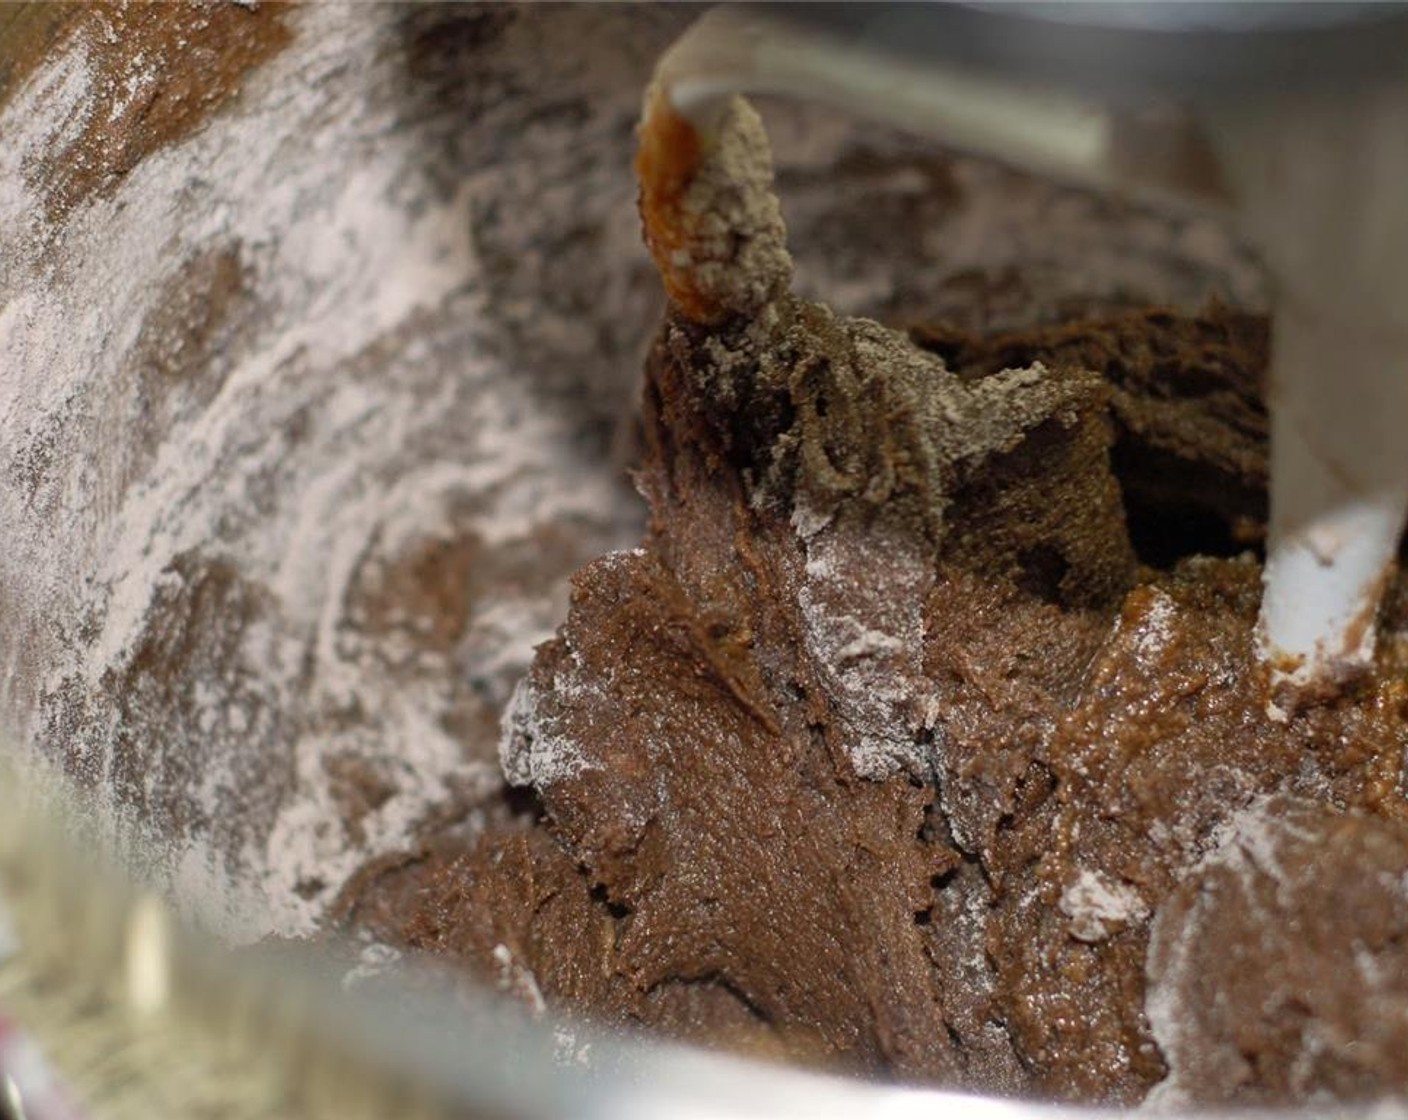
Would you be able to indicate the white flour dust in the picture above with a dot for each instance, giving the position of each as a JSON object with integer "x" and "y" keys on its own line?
{"x": 220, "y": 591}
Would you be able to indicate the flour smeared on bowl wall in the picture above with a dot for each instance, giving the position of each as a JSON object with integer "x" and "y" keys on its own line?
{"x": 294, "y": 460}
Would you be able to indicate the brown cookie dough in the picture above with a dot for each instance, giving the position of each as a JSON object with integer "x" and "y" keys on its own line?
{"x": 1277, "y": 968}
{"x": 890, "y": 746}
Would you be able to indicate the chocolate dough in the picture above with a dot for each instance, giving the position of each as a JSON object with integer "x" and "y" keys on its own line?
{"x": 914, "y": 742}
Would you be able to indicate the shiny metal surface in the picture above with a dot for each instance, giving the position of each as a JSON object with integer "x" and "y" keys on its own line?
{"x": 1133, "y": 51}
{"x": 183, "y": 1006}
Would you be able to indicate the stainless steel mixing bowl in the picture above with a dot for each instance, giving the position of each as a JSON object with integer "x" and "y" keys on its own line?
{"x": 318, "y": 333}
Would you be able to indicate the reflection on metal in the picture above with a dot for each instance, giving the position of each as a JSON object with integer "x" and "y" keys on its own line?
{"x": 11, "y": 1103}
{"x": 148, "y": 955}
